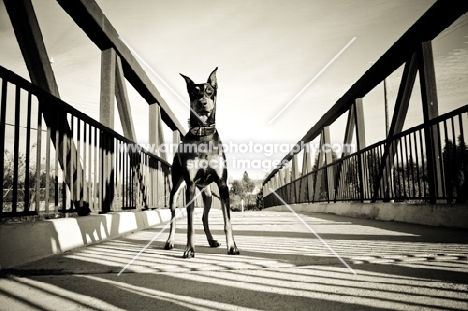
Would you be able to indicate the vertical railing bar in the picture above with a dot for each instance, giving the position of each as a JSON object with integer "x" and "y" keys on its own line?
{"x": 412, "y": 165}
{"x": 402, "y": 167}
{"x": 116, "y": 175}
{"x": 355, "y": 191}
{"x": 137, "y": 181}
{"x": 406, "y": 168}
{"x": 391, "y": 175}
{"x": 463, "y": 150}
{"x": 374, "y": 164}
{"x": 133, "y": 194}
{"x": 379, "y": 154}
{"x": 16, "y": 149}
{"x": 37, "y": 193}
{"x": 72, "y": 165}
{"x": 56, "y": 134}
{"x": 85, "y": 163}
{"x": 343, "y": 177}
{"x": 385, "y": 180}
{"x": 89, "y": 182}
{"x": 2, "y": 133}
{"x": 342, "y": 180}
{"x": 124, "y": 176}
{"x": 375, "y": 154}
{"x": 78, "y": 172}
{"x": 446, "y": 165}
{"x": 28, "y": 150}
{"x": 120, "y": 173}
{"x": 100, "y": 171}
{"x": 96, "y": 195}
{"x": 397, "y": 169}
{"x": 130, "y": 179}
{"x": 455, "y": 155}
{"x": 441, "y": 164}
{"x": 142, "y": 182}
{"x": 348, "y": 190}
{"x": 423, "y": 147}
{"x": 64, "y": 159}
{"x": 47, "y": 168}
{"x": 417, "y": 163}
{"x": 149, "y": 185}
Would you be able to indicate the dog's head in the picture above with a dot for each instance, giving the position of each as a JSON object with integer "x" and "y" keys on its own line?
{"x": 202, "y": 100}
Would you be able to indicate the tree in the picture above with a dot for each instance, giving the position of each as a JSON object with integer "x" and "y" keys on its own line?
{"x": 247, "y": 183}
{"x": 24, "y": 189}
{"x": 242, "y": 190}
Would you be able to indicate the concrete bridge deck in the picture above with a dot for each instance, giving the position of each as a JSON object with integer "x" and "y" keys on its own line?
{"x": 282, "y": 266}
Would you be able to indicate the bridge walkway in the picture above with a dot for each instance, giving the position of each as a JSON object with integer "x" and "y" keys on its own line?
{"x": 282, "y": 266}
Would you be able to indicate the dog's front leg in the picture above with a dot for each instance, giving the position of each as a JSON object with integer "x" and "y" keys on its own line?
{"x": 190, "y": 194}
{"x": 207, "y": 200}
{"x": 176, "y": 181}
{"x": 225, "y": 206}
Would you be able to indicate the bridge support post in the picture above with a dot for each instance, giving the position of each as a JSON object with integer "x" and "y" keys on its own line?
{"x": 294, "y": 176}
{"x": 361, "y": 144}
{"x": 156, "y": 139}
{"x": 342, "y": 170}
{"x": 106, "y": 117}
{"x": 430, "y": 111}
{"x": 383, "y": 182}
{"x": 306, "y": 168}
{"x": 328, "y": 160}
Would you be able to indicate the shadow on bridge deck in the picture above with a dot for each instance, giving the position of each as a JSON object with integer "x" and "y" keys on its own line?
{"x": 282, "y": 266}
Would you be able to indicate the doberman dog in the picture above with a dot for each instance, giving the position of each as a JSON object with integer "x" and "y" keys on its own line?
{"x": 200, "y": 161}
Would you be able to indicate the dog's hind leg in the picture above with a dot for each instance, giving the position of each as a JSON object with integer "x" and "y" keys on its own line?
{"x": 224, "y": 196}
{"x": 176, "y": 182}
{"x": 207, "y": 199}
{"x": 190, "y": 194}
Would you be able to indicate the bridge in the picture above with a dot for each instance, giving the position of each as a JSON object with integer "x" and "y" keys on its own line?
{"x": 84, "y": 208}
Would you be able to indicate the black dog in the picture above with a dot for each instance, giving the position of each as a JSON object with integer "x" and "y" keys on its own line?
{"x": 200, "y": 161}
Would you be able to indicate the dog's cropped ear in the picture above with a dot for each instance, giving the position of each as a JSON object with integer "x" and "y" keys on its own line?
{"x": 188, "y": 81}
{"x": 212, "y": 79}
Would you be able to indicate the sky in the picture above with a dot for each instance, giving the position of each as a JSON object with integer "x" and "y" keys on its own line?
{"x": 266, "y": 52}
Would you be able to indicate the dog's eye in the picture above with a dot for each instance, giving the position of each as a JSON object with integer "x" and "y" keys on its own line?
{"x": 209, "y": 91}
{"x": 195, "y": 91}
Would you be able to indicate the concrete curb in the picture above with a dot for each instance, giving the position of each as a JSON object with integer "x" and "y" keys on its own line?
{"x": 25, "y": 242}
{"x": 452, "y": 216}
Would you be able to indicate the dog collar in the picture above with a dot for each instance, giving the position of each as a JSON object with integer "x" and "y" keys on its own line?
{"x": 203, "y": 130}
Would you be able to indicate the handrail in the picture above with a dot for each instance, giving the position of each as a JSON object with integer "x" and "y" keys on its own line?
{"x": 406, "y": 178}
{"x": 39, "y": 92}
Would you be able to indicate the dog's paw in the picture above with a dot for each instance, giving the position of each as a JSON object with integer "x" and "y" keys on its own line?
{"x": 214, "y": 243}
{"x": 189, "y": 251}
{"x": 233, "y": 250}
{"x": 189, "y": 254}
{"x": 169, "y": 245}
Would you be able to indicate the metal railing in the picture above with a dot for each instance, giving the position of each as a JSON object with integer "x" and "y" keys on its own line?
{"x": 114, "y": 172}
{"x": 404, "y": 175}
{"x": 427, "y": 163}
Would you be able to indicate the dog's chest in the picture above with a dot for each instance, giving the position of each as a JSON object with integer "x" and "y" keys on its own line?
{"x": 204, "y": 160}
